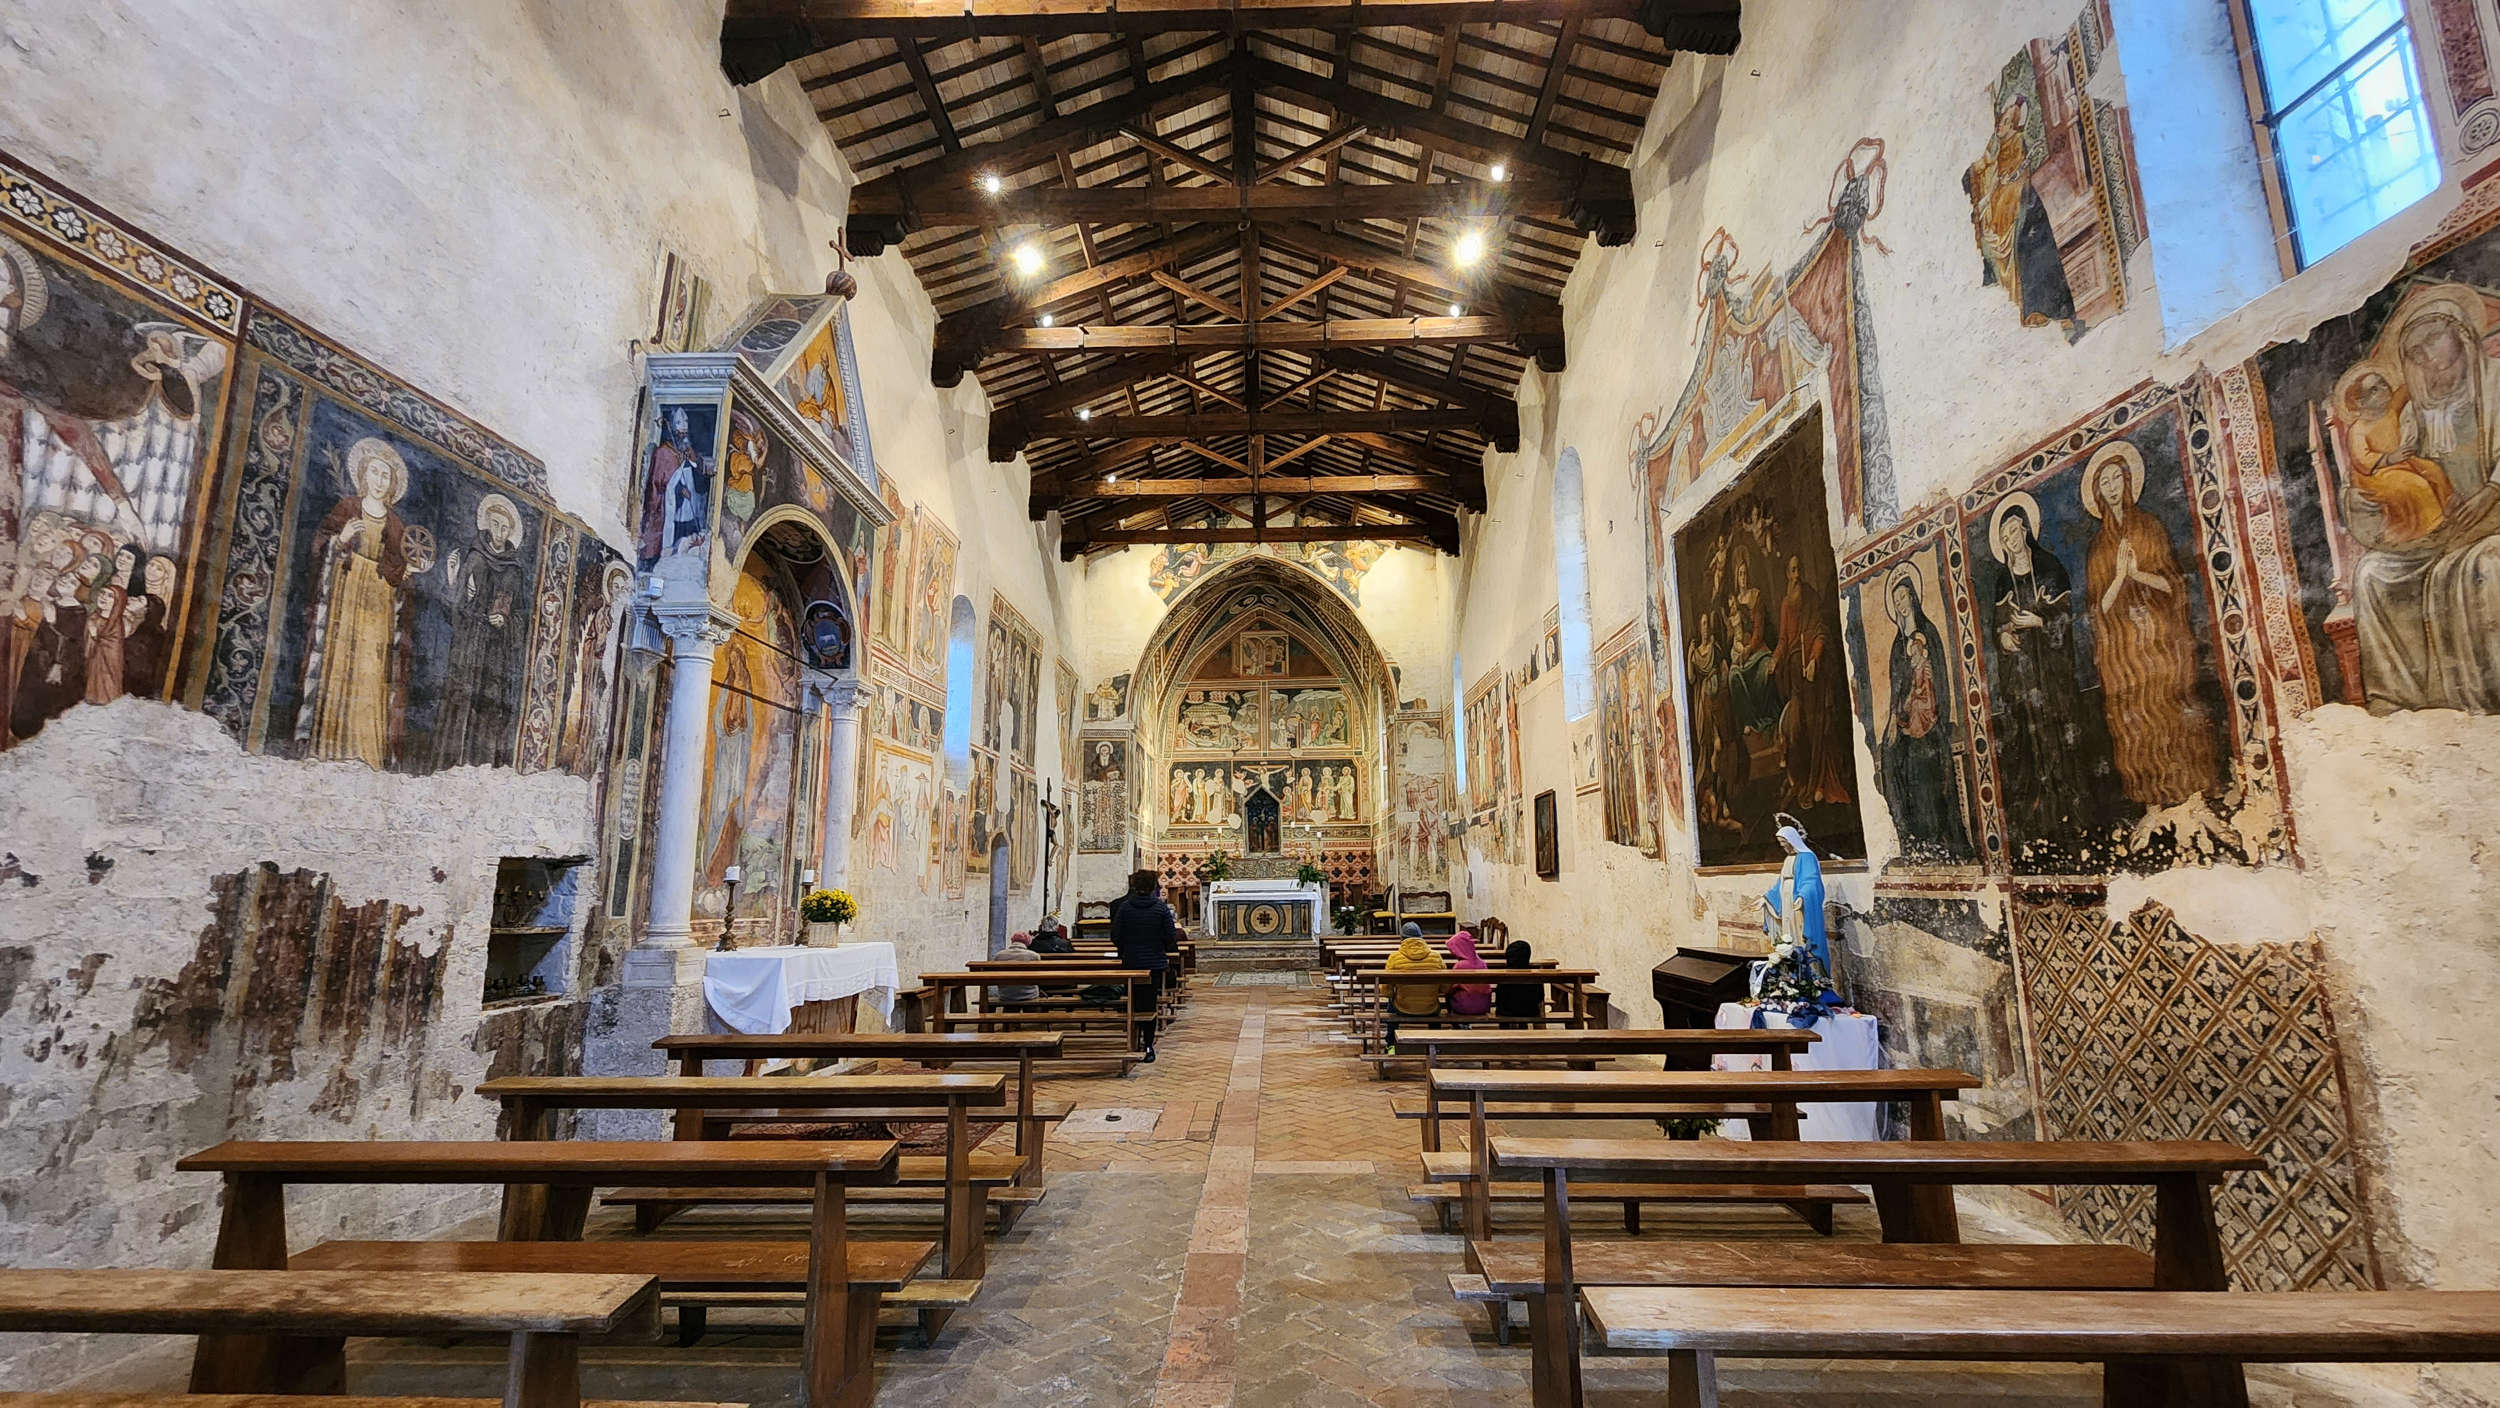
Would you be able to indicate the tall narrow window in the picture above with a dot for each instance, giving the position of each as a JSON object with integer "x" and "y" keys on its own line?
{"x": 2340, "y": 121}
{"x": 1458, "y": 723}
{"x": 960, "y": 634}
{"x": 1571, "y": 585}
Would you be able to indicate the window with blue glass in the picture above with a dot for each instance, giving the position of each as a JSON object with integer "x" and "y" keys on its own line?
{"x": 2339, "y": 110}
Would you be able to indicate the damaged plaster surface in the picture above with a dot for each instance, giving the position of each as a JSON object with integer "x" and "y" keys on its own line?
{"x": 277, "y": 950}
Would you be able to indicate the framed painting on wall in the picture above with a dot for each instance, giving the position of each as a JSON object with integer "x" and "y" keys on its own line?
{"x": 1548, "y": 838}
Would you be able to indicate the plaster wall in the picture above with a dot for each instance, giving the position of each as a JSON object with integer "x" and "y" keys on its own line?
{"x": 2386, "y": 809}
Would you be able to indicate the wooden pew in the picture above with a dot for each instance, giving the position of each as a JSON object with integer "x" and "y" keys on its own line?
{"x": 1571, "y": 984}
{"x": 529, "y": 1101}
{"x": 314, "y": 1312}
{"x": 842, "y": 1279}
{"x": 1033, "y": 1116}
{"x": 957, "y": 988}
{"x": 2159, "y": 1348}
{"x": 1679, "y": 1048}
{"x": 1588, "y": 1094}
{"x": 1913, "y": 1183}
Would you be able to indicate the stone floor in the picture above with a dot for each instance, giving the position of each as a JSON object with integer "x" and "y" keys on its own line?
{"x": 1240, "y": 1235}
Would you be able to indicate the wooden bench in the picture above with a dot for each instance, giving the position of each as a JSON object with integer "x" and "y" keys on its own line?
{"x": 2160, "y": 1349}
{"x": 1025, "y": 1049}
{"x": 313, "y": 1313}
{"x": 529, "y": 1101}
{"x": 1490, "y": 1094}
{"x": 842, "y": 1280}
{"x": 1912, "y": 1182}
{"x": 1679, "y": 1048}
{"x": 1378, "y": 1012}
{"x": 1449, "y": 1174}
{"x": 953, "y": 1008}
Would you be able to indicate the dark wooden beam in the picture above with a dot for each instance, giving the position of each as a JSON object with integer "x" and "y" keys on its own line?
{"x": 759, "y": 36}
{"x": 1597, "y": 196}
{"x": 938, "y": 204}
{"x": 882, "y": 210}
{"x": 1497, "y": 417}
{"x": 1011, "y": 425}
{"x": 1346, "y": 485}
{"x": 1211, "y": 423}
{"x": 1078, "y": 541}
{"x": 1332, "y": 332}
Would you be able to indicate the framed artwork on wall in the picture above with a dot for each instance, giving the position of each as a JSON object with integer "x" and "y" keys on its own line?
{"x": 1548, "y": 842}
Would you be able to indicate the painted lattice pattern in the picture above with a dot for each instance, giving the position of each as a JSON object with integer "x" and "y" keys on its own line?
{"x": 2141, "y": 1030}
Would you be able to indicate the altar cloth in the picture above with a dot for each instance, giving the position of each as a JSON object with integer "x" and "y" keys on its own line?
{"x": 755, "y": 989}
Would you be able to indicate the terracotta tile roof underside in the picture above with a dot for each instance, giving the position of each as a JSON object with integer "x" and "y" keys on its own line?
{"x": 1209, "y": 259}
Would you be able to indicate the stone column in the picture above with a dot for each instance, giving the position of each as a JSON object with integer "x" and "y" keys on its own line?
{"x": 841, "y": 698}
{"x": 694, "y": 631}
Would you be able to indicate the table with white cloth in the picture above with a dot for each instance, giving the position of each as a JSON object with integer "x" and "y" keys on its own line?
{"x": 757, "y": 990}
{"x": 1849, "y": 1043}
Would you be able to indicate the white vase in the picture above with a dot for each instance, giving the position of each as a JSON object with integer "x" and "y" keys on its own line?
{"x": 824, "y": 934}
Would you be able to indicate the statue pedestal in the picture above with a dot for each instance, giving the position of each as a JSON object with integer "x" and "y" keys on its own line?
{"x": 1266, "y": 909}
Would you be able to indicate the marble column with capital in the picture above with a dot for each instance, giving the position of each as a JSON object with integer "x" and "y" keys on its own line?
{"x": 840, "y": 696}
{"x": 694, "y": 630}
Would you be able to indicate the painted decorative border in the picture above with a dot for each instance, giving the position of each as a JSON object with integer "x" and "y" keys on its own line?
{"x": 544, "y": 684}
{"x": 29, "y": 201}
{"x": 237, "y": 659}
{"x": 2250, "y": 434}
{"x": 382, "y": 394}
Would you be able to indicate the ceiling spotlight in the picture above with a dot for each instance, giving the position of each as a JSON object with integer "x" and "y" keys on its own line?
{"x": 1457, "y": 312}
{"x": 1469, "y": 250}
{"x": 1501, "y": 171}
{"x": 1027, "y": 257}
{"x": 1047, "y": 320}
{"x": 1111, "y": 479}
{"x": 1084, "y": 413}
{"x": 992, "y": 184}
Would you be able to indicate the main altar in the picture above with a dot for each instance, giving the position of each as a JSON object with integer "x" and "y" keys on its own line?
{"x": 1252, "y": 906}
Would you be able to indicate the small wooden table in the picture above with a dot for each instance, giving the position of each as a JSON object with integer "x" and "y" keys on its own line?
{"x": 836, "y": 1371}
{"x": 315, "y": 1312}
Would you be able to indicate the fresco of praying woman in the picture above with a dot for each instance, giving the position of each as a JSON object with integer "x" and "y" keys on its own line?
{"x": 2161, "y": 731}
{"x": 1916, "y": 752}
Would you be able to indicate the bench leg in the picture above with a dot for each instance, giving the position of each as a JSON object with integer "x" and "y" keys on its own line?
{"x": 1631, "y": 1217}
{"x": 1817, "y": 1216}
{"x": 545, "y": 1371}
{"x": 1553, "y": 1350}
{"x": 837, "y": 1361}
{"x": 1692, "y": 1379}
{"x": 251, "y": 1236}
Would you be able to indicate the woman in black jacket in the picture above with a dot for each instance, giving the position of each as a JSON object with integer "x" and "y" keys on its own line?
{"x": 1144, "y": 930}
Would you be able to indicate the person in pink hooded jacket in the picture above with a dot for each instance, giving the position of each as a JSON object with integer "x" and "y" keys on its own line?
{"x": 1468, "y": 999}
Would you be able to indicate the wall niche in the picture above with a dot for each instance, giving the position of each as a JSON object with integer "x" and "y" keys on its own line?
{"x": 529, "y": 951}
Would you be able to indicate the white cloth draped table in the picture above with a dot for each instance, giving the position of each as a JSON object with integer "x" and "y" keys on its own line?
{"x": 754, "y": 990}
{"x": 1849, "y": 1043}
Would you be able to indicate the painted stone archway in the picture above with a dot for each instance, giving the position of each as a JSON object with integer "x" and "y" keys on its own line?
{"x": 1261, "y": 688}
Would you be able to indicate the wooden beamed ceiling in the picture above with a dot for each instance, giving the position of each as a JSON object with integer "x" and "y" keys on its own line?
{"x": 1212, "y": 260}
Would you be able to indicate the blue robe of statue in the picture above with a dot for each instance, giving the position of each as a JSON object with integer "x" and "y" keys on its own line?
{"x": 1809, "y": 893}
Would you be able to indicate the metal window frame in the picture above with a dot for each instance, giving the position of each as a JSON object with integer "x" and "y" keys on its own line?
{"x": 2264, "y": 115}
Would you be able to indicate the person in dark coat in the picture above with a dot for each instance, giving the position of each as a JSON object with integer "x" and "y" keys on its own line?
{"x": 1145, "y": 930}
{"x": 1518, "y": 1003}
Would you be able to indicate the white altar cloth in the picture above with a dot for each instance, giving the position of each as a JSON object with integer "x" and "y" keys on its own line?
{"x": 754, "y": 989}
{"x": 1849, "y": 1043}
{"x": 1279, "y": 891}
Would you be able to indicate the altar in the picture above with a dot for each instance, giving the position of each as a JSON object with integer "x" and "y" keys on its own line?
{"x": 1279, "y": 908}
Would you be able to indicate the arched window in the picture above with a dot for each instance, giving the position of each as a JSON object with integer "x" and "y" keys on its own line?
{"x": 1571, "y": 585}
{"x": 960, "y": 633}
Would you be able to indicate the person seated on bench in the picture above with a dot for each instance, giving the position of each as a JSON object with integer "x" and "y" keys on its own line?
{"x": 1048, "y": 937}
{"x": 1143, "y": 930}
{"x": 1410, "y": 999}
{"x": 1515, "y": 1003}
{"x": 1018, "y": 950}
{"x": 1469, "y": 999}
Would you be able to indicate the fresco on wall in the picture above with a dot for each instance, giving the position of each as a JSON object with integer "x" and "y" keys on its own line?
{"x": 932, "y": 592}
{"x": 111, "y": 398}
{"x": 1175, "y": 568}
{"x": 751, "y": 759}
{"x": 889, "y": 596}
{"x": 1107, "y": 702}
{"x": 1909, "y": 679}
{"x": 1219, "y": 719}
{"x": 1308, "y": 718}
{"x": 1419, "y": 756}
{"x": 1106, "y": 796}
{"x": 677, "y": 481}
{"x": 980, "y": 816}
{"x": 2106, "y": 712}
{"x": 603, "y": 592}
{"x": 1010, "y": 724}
{"x": 2055, "y": 203}
{"x": 1625, "y": 754}
{"x": 1769, "y": 346}
{"x": 897, "y": 804}
{"x": 1022, "y": 823}
{"x": 1766, "y": 674}
{"x": 2385, "y": 430}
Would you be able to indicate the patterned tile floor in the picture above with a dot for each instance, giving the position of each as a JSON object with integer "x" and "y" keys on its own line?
{"x": 1250, "y": 1243}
